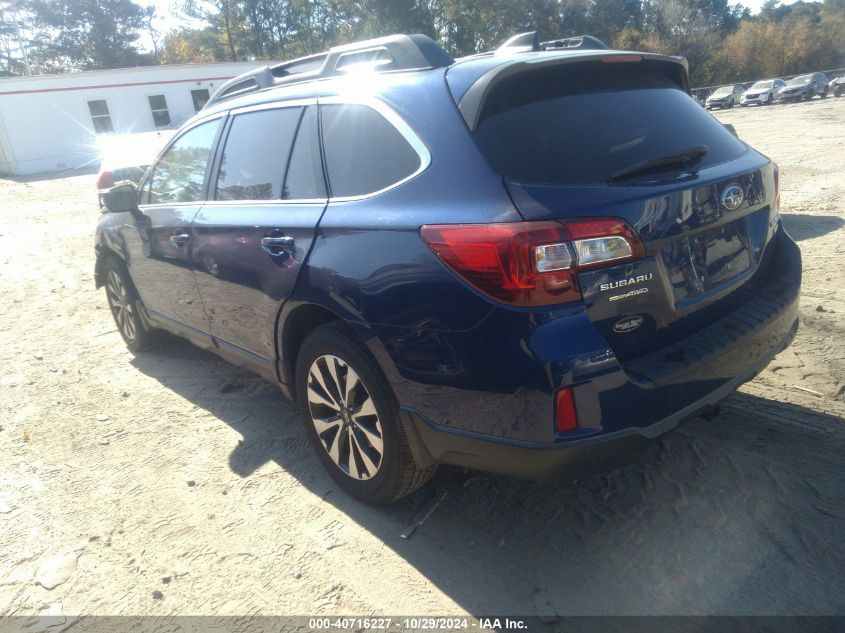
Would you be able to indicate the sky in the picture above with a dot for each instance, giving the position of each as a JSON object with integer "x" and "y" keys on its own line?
{"x": 170, "y": 18}
{"x": 755, "y": 5}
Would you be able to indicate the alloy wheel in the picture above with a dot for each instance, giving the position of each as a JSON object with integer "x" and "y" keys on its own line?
{"x": 121, "y": 305}
{"x": 344, "y": 415}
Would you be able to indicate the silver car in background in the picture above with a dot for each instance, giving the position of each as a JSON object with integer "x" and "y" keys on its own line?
{"x": 763, "y": 92}
{"x": 724, "y": 97}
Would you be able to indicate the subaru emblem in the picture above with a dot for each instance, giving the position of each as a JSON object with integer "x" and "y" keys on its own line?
{"x": 732, "y": 197}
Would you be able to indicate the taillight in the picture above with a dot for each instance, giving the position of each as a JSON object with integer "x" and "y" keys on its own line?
{"x": 531, "y": 263}
{"x": 105, "y": 180}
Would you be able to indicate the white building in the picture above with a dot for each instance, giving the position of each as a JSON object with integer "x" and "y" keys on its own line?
{"x": 53, "y": 122}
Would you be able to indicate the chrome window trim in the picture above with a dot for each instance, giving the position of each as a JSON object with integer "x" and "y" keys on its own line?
{"x": 262, "y": 203}
{"x": 379, "y": 106}
{"x": 274, "y": 105}
{"x": 401, "y": 126}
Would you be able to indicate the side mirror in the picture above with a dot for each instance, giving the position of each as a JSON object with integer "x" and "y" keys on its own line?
{"x": 121, "y": 198}
{"x": 731, "y": 129}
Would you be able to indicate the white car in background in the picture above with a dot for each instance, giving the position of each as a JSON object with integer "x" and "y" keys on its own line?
{"x": 762, "y": 92}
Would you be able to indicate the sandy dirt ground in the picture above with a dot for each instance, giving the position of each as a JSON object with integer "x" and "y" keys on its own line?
{"x": 173, "y": 483}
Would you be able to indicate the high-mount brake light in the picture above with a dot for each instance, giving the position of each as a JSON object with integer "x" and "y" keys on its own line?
{"x": 531, "y": 263}
{"x": 621, "y": 59}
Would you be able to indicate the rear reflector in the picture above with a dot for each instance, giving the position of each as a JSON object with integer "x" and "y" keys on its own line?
{"x": 566, "y": 417}
{"x": 531, "y": 263}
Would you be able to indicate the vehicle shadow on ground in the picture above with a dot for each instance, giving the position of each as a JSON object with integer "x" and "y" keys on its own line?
{"x": 802, "y": 226}
{"x": 740, "y": 515}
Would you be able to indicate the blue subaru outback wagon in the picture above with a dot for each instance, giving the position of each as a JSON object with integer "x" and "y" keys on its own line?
{"x": 522, "y": 261}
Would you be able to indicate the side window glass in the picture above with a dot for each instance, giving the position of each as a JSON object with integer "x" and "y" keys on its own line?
{"x": 304, "y": 178}
{"x": 180, "y": 173}
{"x": 256, "y": 154}
{"x": 364, "y": 152}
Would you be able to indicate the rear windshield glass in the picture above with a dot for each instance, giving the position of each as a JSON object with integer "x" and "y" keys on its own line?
{"x": 579, "y": 125}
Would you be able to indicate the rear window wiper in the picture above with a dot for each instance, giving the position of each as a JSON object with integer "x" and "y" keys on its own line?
{"x": 682, "y": 159}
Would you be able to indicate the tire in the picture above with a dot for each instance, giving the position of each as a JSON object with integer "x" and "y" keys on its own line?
{"x": 769, "y": 100}
{"x": 348, "y": 441}
{"x": 839, "y": 91}
{"x": 125, "y": 307}
{"x": 823, "y": 94}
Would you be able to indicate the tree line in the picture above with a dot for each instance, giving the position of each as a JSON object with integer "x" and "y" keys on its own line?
{"x": 722, "y": 41}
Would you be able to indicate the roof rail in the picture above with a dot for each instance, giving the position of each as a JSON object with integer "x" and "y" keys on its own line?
{"x": 529, "y": 42}
{"x": 587, "y": 42}
{"x": 394, "y": 52}
{"x": 522, "y": 43}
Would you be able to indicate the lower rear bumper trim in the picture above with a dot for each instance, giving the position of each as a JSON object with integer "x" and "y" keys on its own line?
{"x": 433, "y": 443}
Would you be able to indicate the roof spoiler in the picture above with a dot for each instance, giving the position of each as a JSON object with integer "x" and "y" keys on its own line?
{"x": 394, "y": 52}
{"x": 472, "y": 101}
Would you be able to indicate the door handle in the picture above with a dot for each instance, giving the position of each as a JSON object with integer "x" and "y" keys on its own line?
{"x": 178, "y": 241}
{"x": 277, "y": 246}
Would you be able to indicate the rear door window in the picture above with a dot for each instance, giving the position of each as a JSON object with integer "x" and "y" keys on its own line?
{"x": 578, "y": 124}
{"x": 256, "y": 154}
{"x": 365, "y": 153}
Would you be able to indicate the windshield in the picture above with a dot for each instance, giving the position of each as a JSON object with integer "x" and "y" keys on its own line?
{"x": 721, "y": 92}
{"x": 578, "y": 125}
{"x": 762, "y": 85}
{"x": 799, "y": 81}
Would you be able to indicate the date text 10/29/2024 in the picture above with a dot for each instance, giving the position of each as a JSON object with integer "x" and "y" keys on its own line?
{"x": 417, "y": 624}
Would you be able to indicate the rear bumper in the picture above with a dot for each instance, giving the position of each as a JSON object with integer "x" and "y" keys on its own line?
{"x": 431, "y": 443}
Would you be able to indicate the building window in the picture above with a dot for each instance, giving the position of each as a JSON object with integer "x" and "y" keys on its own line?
{"x": 158, "y": 106}
{"x": 100, "y": 116}
{"x": 200, "y": 98}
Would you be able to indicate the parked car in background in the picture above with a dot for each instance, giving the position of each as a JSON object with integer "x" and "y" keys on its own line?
{"x": 805, "y": 87}
{"x": 837, "y": 86}
{"x": 725, "y": 97}
{"x": 762, "y": 92}
{"x": 125, "y": 157}
{"x": 504, "y": 262}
